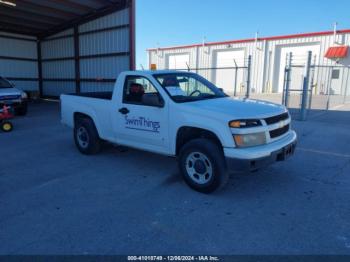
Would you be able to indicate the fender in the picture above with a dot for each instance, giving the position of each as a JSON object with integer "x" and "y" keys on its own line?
{"x": 221, "y": 134}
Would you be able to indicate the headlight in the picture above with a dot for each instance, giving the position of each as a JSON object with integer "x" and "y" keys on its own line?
{"x": 244, "y": 123}
{"x": 24, "y": 95}
{"x": 249, "y": 140}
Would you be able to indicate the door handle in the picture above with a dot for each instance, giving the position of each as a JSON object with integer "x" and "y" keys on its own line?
{"x": 124, "y": 111}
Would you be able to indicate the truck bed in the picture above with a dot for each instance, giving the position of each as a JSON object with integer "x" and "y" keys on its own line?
{"x": 98, "y": 95}
{"x": 96, "y": 105}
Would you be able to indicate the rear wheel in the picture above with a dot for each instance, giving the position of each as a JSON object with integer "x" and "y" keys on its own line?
{"x": 203, "y": 166}
{"x": 86, "y": 137}
{"x": 6, "y": 126}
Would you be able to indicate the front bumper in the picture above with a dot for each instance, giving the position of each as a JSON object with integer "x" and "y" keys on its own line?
{"x": 20, "y": 104}
{"x": 253, "y": 158}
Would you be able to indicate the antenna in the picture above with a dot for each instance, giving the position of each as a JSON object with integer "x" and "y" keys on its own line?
{"x": 188, "y": 67}
{"x": 257, "y": 40}
{"x": 143, "y": 69}
{"x": 205, "y": 50}
{"x": 158, "y": 50}
{"x": 234, "y": 61}
{"x": 204, "y": 41}
{"x": 335, "y": 32}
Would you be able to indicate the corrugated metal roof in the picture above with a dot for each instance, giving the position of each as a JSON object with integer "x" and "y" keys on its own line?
{"x": 44, "y": 17}
{"x": 314, "y": 34}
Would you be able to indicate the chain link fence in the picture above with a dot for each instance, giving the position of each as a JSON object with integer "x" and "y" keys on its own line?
{"x": 234, "y": 80}
{"x": 308, "y": 87}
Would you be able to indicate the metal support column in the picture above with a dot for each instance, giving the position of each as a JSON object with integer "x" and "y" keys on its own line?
{"x": 346, "y": 84}
{"x": 236, "y": 74}
{"x": 248, "y": 76}
{"x": 288, "y": 70}
{"x": 40, "y": 70}
{"x": 329, "y": 87}
{"x": 303, "y": 109}
{"x": 77, "y": 60}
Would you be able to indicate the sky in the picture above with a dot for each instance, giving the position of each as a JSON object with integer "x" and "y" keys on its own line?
{"x": 180, "y": 22}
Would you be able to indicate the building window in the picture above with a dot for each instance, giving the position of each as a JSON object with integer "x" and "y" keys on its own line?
{"x": 335, "y": 74}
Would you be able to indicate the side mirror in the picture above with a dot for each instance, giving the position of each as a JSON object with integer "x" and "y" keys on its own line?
{"x": 221, "y": 89}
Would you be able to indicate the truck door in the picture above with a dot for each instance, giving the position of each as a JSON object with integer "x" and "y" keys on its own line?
{"x": 142, "y": 116}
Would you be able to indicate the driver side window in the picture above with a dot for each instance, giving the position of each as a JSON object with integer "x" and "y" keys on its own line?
{"x": 139, "y": 90}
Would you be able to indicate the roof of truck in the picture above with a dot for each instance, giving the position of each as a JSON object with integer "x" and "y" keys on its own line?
{"x": 152, "y": 72}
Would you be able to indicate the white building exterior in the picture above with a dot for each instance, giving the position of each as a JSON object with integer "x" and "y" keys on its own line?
{"x": 268, "y": 56}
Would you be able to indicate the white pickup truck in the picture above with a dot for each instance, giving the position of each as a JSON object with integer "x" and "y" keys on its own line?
{"x": 183, "y": 115}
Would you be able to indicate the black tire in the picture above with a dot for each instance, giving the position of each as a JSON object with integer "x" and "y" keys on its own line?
{"x": 84, "y": 129}
{"x": 21, "y": 110}
{"x": 6, "y": 126}
{"x": 214, "y": 160}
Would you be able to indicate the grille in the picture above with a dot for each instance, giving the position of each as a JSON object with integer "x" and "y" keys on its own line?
{"x": 276, "y": 119}
{"x": 279, "y": 132}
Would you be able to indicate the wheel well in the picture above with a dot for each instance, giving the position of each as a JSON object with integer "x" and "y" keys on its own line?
{"x": 80, "y": 116}
{"x": 186, "y": 134}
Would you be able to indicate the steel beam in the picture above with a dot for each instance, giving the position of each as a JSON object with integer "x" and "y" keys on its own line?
{"x": 40, "y": 9}
{"x": 20, "y": 22}
{"x": 84, "y": 19}
{"x": 76, "y": 59}
{"x": 25, "y": 30}
{"x": 71, "y": 6}
{"x": 18, "y": 58}
{"x": 132, "y": 35}
{"x": 30, "y": 16}
{"x": 40, "y": 72}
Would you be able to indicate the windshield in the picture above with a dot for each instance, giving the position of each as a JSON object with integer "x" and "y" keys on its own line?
{"x": 187, "y": 87}
{"x": 4, "y": 83}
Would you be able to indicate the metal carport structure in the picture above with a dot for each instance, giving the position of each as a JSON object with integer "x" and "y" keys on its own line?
{"x": 66, "y": 46}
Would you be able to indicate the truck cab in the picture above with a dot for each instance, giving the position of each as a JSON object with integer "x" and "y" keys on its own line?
{"x": 183, "y": 115}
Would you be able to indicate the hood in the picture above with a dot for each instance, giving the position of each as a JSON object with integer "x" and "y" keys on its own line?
{"x": 10, "y": 93}
{"x": 233, "y": 108}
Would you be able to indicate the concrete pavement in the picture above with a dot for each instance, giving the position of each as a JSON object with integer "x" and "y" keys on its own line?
{"x": 53, "y": 200}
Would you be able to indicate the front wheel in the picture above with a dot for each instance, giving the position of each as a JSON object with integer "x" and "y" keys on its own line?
{"x": 86, "y": 137}
{"x": 203, "y": 166}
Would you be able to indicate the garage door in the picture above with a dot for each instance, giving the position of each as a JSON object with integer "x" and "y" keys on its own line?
{"x": 178, "y": 61}
{"x": 299, "y": 58}
{"x": 225, "y": 78}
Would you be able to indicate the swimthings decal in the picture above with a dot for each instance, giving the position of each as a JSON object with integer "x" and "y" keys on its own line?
{"x": 142, "y": 124}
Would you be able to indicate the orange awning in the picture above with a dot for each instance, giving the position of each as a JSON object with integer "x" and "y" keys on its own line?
{"x": 337, "y": 52}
